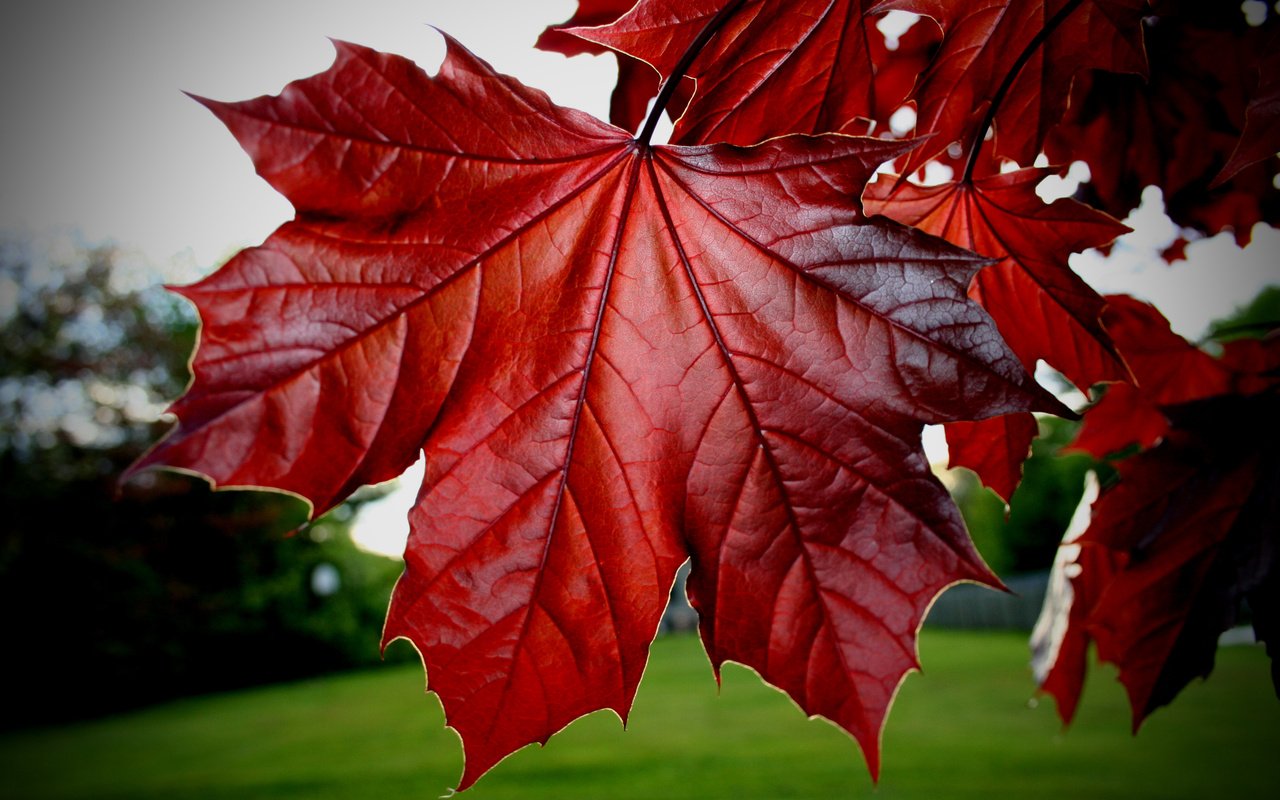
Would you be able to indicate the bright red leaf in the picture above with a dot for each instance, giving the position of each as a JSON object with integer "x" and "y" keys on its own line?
{"x": 775, "y": 66}
{"x": 614, "y": 357}
{"x": 993, "y": 448}
{"x": 1042, "y": 308}
{"x": 1121, "y": 418}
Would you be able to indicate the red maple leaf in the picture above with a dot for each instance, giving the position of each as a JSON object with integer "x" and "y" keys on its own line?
{"x": 1166, "y": 369}
{"x": 1186, "y": 534}
{"x": 994, "y": 449}
{"x": 614, "y": 357}
{"x": 833, "y": 62}
{"x": 775, "y": 66}
{"x": 637, "y": 81}
{"x": 1042, "y": 308}
{"x": 1124, "y": 416}
{"x": 1009, "y": 65}
{"x": 1188, "y": 531}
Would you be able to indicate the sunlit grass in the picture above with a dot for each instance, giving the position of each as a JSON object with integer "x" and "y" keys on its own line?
{"x": 963, "y": 729}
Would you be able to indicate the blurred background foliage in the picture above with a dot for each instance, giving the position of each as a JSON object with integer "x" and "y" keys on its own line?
{"x": 1023, "y": 536}
{"x": 117, "y": 596}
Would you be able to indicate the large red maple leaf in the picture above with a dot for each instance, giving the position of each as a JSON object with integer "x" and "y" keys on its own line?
{"x": 1042, "y": 308}
{"x": 1020, "y": 54}
{"x": 775, "y": 66}
{"x": 614, "y": 357}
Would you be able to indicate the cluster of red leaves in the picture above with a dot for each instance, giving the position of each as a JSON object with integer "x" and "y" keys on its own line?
{"x": 617, "y": 356}
{"x": 1188, "y": 530}
{"x": 1204, "y": 126}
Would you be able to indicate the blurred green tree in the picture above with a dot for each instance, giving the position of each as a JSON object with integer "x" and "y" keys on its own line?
{"x": 113, "y": 597}
{"x": 1024, "y": 536}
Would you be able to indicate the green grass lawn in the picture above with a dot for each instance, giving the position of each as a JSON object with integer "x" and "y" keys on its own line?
{"x": 963, "y": 729}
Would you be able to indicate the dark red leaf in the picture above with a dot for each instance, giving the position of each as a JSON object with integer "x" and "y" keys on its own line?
{"x": 1260, "y": 139}
{"x": 1176, "y": 251}
{"x": 1254, "y": 364}
{"x": 898, "y": 70}
{"x": 614, "y": 357}
{"x": 1189, "y": 531}
{"x": 1037, "y": 46}
{"x": 776, "y": 66}
{"x": 1178, "y": 129}
{"x": 1186, "y": 534}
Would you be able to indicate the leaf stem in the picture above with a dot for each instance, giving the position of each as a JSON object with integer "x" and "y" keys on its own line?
{"x": 996, "y": 99}
{"x": 682, "y": 66}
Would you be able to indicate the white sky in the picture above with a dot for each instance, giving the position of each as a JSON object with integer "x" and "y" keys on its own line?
{"x": 97, "y": 137}
{"x": 96, "y": 132}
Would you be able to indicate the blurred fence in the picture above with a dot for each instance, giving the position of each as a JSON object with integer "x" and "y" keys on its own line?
{"x": 970, "y": 606}
{"x": 964, "y": 606}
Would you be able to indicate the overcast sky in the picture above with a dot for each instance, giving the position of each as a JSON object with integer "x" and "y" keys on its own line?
{"x": 96, "y": 135}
